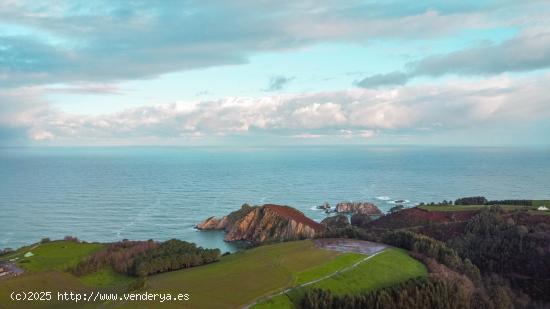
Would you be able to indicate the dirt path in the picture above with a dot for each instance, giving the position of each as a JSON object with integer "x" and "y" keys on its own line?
{"x": 340, "y": 245}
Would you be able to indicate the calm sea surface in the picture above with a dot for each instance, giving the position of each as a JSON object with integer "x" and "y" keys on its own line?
{"x": 107, "y": 194}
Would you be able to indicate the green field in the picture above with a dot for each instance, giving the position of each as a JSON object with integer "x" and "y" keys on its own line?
{"x": 470, "y": 207}
{"x": 234, "y": 281}
{"x": 241, "y": 278}
{"x": 328, "y": 268}
{"x": 385, "y": 269}
{"x": 54, "y": 255}
{"x": 536, "y": 203}
{"x": 46, "y": 270}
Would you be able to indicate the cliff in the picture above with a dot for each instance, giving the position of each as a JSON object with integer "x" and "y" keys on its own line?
{"x": 225, "y": 222}
{"x": 358, "y": 208}
{"x": 267, "y": 223}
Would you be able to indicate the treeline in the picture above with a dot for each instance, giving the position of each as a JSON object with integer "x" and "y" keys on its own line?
{"x": 481, "y": 200}
{"x": 432, "y": 248}
{"x": 172, "y": 255}
{"x": 120, "y": 256}
{"x": 141, "y": 258}
{"x": 511, "y": 202}
{"x": 413, "y": 294}
{"x": 472, "y": 200}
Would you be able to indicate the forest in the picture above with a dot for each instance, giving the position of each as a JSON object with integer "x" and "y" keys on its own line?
{"x": 142, "y": 258}
{"x": 500, "y": 260}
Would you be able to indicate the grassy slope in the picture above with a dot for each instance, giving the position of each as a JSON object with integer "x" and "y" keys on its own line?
{"x": 55, "y": 255}
{"x": 236, "y": 280}
{"x": 468, "y": 207}
{"x": 46, "y": 271}
{"x": 386, "y": 269}
{"x": 240, "y": 278}
{"x": 328, "y": 268}
{"x": 536, "y": 203}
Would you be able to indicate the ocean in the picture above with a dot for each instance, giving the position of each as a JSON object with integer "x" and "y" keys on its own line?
{"x": 114, "y": 193}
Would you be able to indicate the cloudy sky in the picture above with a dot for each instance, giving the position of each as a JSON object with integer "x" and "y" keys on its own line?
{"x": 274, "y": 72}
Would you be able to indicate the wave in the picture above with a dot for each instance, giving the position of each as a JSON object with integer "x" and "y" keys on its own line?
{"x": 383, "y": 198}
{"x": 400, "y": 202}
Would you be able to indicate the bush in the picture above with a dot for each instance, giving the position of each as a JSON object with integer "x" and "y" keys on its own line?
{"x": 70, "y": 238}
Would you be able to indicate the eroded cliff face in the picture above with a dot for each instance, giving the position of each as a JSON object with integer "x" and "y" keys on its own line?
{"x": 358, "y": 208}
{"x": 225, "y": 222}
{"x": 266, "y": 223}
{"x": 213, "y": 223}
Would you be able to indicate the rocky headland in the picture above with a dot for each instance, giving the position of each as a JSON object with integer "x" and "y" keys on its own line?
{"x": 261, "y": 224}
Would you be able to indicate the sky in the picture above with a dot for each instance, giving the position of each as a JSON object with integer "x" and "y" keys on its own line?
{"x": 240, "y": 72}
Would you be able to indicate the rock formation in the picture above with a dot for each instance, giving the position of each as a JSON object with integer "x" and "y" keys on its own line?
{"x": 336, "y": 222}
{"x": 358, "y": 208}
{"x": 213, "y": 223}
{"x": 226, "y": 222}
{"x": 267, "y": 223}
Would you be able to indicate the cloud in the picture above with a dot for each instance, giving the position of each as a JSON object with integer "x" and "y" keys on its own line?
{"x": 41, "y": 135}
{"x": 87, "y": 88}
{"x": 528, "y": 51}
{"x": 278, "y": 82}
{"x": 394, "y": 78}
{"x": 307, "y": 136}
{"x": 109, "y": 41}
{"x": 355, "y": 113}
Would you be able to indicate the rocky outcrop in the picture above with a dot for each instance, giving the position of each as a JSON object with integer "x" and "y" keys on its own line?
{"x": 336, "y": 222}
{"x": 267, "y": 223}
{"x": 358, "y": 208}
{"x": 213, "y": 223}
{"x": 225, "y": 222}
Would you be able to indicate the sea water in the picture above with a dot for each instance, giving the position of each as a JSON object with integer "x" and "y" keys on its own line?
{"x": 109, "y": 194}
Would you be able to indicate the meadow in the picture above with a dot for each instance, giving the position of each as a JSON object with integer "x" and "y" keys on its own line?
{"x": 236, "y": 280}
{"x": 387, "y": 268}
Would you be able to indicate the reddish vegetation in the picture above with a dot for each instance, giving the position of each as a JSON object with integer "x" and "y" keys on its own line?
{"x": 293, "y": 214}
{"x": 442, "y": 231}
{"x": 118, "y": 255}
{"x": 525, "y": 218}
{"x": 417, "y": 217}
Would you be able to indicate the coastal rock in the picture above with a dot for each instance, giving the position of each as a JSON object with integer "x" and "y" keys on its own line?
{"x": 336, "y": 222}
{"x": 267, "y": 223}
{"x": 225, "y": 222}
{"x": 213, "y": 223}
{"x": 358, "y": 208}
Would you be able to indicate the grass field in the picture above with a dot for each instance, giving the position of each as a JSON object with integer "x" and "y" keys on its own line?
{"x": 536, "y": 203}
{"x": 241, "y": 278}
{"x": 54, "y": 255}
{"x": 386, "y": 269}
{"x": 234, "y": 281}
{"x": 469, "y": 207}
{"x": 46, "y": 270}
{"x": 330, "y": 267}
{"x": 106, "y": 277}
